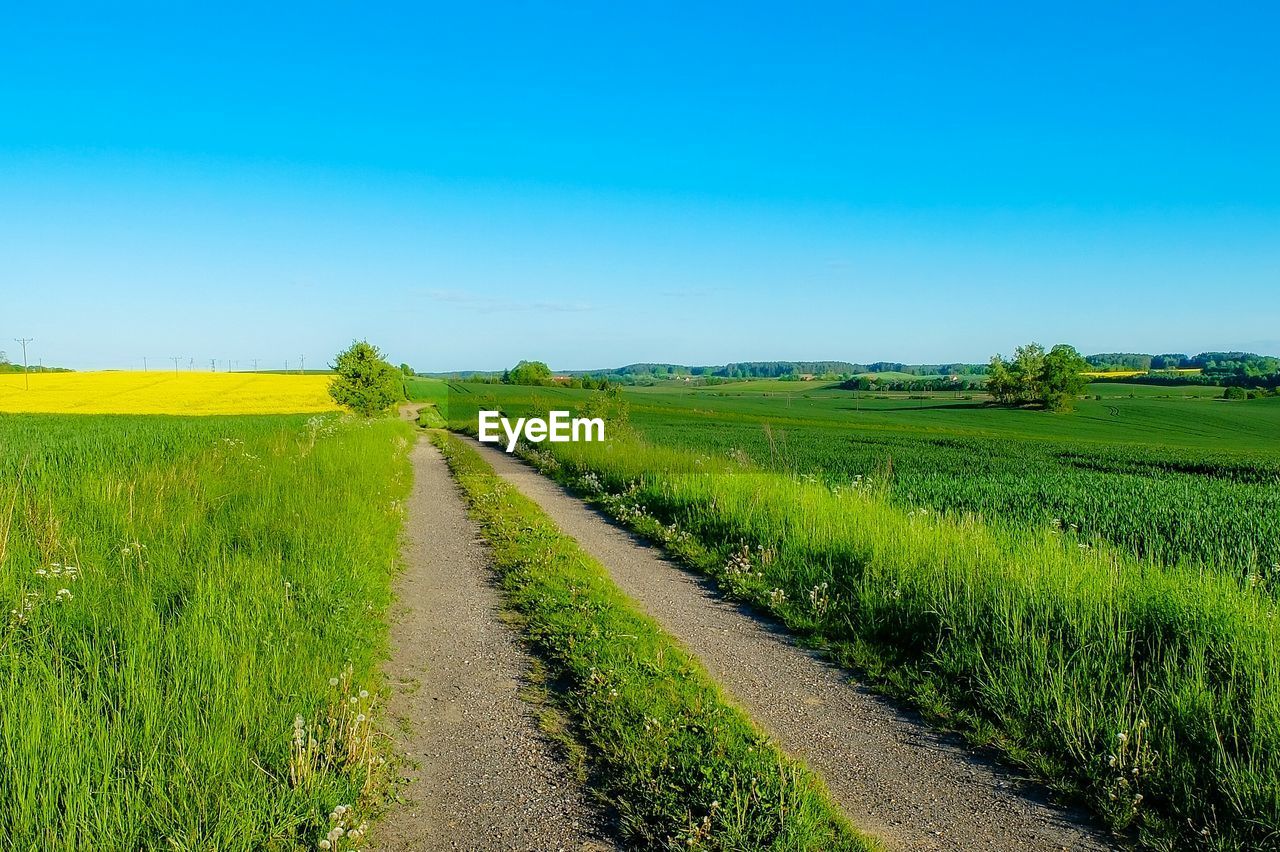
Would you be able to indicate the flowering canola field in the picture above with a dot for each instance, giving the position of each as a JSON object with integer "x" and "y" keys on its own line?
{"x": 165, "y": 393}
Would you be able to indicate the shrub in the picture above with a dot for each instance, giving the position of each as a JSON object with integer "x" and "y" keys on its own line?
{"x": 366, "y": 383}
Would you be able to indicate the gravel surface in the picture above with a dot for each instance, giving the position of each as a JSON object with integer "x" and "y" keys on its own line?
{"x": 481, "y": 774}
{"x": 895, "y": 777}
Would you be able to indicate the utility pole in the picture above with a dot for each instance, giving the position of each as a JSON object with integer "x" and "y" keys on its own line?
{"x": 175, "y": 358}
{"x": 213, "y": 365}
{"x": 286, "y": 365}
{"x": 144, "y": 363}
{"x": 255, "y": 365}
{"x": 302, "y": 364}
{"x": 26, "y": 373}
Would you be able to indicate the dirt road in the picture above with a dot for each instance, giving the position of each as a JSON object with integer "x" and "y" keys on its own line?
{"x": 893, "y": 775}
{"x": 482, "y": 774}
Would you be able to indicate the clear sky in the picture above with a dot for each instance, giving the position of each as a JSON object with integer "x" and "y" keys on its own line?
{"x": 468, "y": 184}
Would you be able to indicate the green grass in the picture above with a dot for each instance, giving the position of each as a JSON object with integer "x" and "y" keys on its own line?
{"x": 225, "y": 568}
{"x": 1148, "y": 690}
{"x": 1177, "y": 480}
{"x": 682, "y": 767}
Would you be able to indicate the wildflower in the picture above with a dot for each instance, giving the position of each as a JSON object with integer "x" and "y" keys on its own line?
{"x": 333, "y": 681}
{"x": 364, "y": 693}
{"x": 64, "y": 594}
{"x": 1122, "y": 737}
{"x": 325, "y": 844}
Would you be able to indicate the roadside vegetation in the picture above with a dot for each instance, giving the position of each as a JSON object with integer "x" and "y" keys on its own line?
{"x": 1179, "y": 481}
{"x": 680, "y": 766}
{"x": 1095, "y": 595}
{"x": 1148, "y": 691}
{"x": 193, "y": 612}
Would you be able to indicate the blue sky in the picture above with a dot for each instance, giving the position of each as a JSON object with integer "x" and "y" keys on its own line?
{"x": 599, "y": 184}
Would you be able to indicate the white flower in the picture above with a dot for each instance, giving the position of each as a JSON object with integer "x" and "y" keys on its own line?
{"x": 333, "y": 681}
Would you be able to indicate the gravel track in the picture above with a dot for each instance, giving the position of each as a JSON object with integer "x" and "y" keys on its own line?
{"x": 895, "y": 777}
{"x": 481, "y": 773}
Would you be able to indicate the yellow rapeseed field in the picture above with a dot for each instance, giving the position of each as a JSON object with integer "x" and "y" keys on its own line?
{"x": 1115, "y": 374}
{"x": 165, "y": 393}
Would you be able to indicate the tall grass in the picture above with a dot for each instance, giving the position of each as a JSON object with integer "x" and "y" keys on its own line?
{"x": 178, "y": 595}
{"x": 1178, "y": 481}
{"x": 1150, "y": 690}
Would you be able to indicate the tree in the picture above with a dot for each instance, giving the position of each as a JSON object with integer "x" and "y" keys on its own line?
{"x": 1027, "y": 366}
{"x": 1052, "y": 380}
{"x": 1062, "y": 377}
{"x": 1234, "y": 392}
{"x": 407, "y": 371}
{"x": 528, "y": 373}
{"x": 365, "y": 383}
{"x": 1000, "y": 383}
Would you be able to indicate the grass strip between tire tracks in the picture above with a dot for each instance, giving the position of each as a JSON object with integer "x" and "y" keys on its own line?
{"x": 680, "y": 765}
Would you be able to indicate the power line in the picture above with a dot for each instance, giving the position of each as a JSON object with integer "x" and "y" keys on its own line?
{"x": 26, "y": 373}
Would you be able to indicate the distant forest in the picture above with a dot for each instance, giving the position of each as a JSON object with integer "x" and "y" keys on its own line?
{"x": 6, "y": 366}
{"x": 1225, "y": 369}
{"x": 1245, "y": 369}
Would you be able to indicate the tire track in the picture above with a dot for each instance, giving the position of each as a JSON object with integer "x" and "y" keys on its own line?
{"x": 482, "y": 776}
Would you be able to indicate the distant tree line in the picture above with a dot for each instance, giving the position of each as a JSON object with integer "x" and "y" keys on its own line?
{"x": 1218, "y": 368}
{"x": 6, "y": 367}
{"x": 785, "y": 369}
{"x": 537, "y": 373}
{"x": 1238, "y": 392}
{"x": 1220, "y": 363}
{"x": 1240, "y": 379}
{"x": 933, "y": 384}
